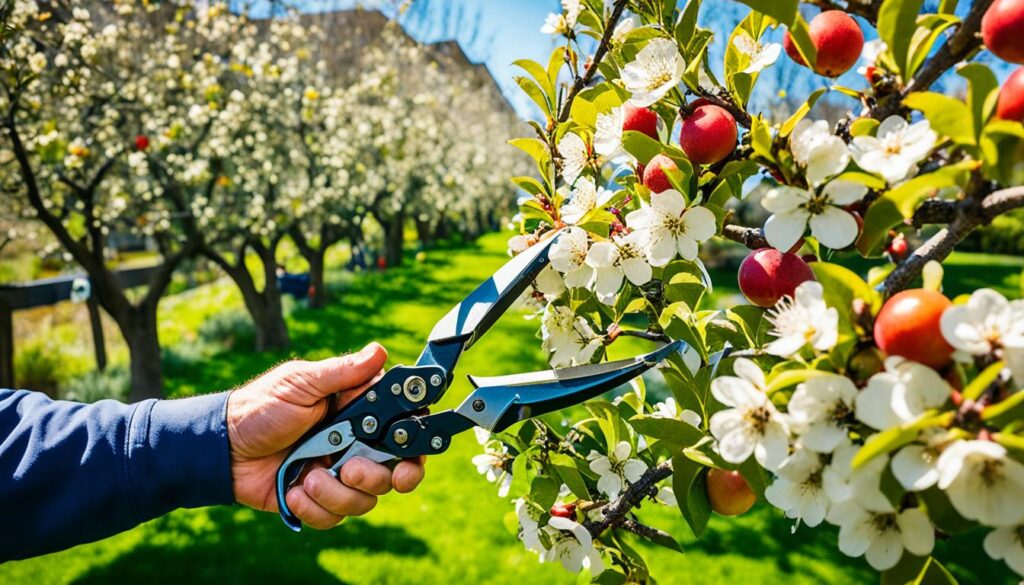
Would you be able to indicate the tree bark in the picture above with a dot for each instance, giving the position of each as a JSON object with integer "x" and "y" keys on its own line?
{"x": 394, "y": 239}
{"x": 140, "y": 333}
{"x": 424, "y": 233}
{"x": 318, "y": 292}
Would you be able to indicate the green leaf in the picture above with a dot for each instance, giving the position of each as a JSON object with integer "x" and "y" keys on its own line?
{"x": 897, "y": 21}
{"x": 802, "y": 111}
{"x": 687, "y": 24}
{"x": 985, "y": 379}
{"x": 947, "y": 115}
{"x": 898, "y": 204}
{"x": 535, "y": 93}
{"x": 690, "y": 489}
{"x": 641, "y": 146}
{"x": 544, "y": 491}
{"x": 670, "y": 430}
{"x": 1003, "y": 413}
{"x": 913, "y": 570}
{"x": 891, "y": 439}
{"x": 942, "y": 513}
{"x": 539, "y": 74}
{"x": 555, "y": 62}
{"x": 800, "y": 33}
{"x": 530, "y": 185}
{"x": 520, "y": 481}
{"x": 784, "y": 11}
{"x": 565, "y": 467}
{"x": 929, "y": 29}
{"x": 789, "y": 378}
{"x": 983, "y": 91}
{"x": 761, "y": 138}
{"x": 755, "y": 475}
{"x": 533, "y": 147}
{"x": 864, "y": 127}
{"x": 843, "y": 286}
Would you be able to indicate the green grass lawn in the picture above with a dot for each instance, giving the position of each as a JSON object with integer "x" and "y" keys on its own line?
{"x": 451, "y": 530}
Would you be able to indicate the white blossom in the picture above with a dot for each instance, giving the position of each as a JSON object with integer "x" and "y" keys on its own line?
{"x": 568, "y": 255}
{"x": 882, "y": 536}
{"x": 843, "y": 483}
{"x": 751, "y": 424}
{"x": 900, "y": 394}
{"x": 799, "y": 490}
{"x": 608, "y": 132}
{"x": 670, "y": 409}
{"x": 760, "y": 56}
{"x": 567, "y": 337}
{"x": 670, "y": 228}
{"x": 575, "y": 156}
{"x": 803, "y": 320}
{"x": 491, "y": 464}
{"x": 916, "y": 465}
{"x": 1006, "y": 543}
{"x": 616, "y": 469}
{"x": 987, "y": 323}
{"x": 818, "y": 410}
{"x": 895, "y": 150}
{"x": 623, "y": 257}
{"x": 586, "y": 197}
{"x": 793, "y": 208}
{"x": 821, "y": 153}
{"x": 572, "y": 545}
{"x": 657, "y": 69}
{"x": 982, "y": 482}
{"x": 555, "y": 24}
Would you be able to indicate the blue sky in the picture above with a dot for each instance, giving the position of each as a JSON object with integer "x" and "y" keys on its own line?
{"x": 512, "y": 28}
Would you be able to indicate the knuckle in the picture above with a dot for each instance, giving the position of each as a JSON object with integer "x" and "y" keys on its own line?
{"x": 352, "y": 473}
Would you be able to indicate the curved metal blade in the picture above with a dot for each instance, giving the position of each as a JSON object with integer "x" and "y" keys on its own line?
{"x": 505, "y": 400}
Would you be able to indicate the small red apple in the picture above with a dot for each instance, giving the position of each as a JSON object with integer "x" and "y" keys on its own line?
{"x": 655, "y": 177}
{"x": 141, "y": 142}
{"x": 838, "y": 40}
{"x": 898, "y": 247}
{"x": 1002, "y": 30}
{"x": 640, "y": 120}
{"x": 908, "y": 326}
{"x": 729, "y": 493}
{"x": 767, "y": 275}
{"x": 563, "y": 510}
{"x": 708, "y": 134}
{"x": 1011, "y": 97}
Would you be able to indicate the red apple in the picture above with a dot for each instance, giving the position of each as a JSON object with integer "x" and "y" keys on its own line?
{"x": 141, "y": 142}
{"x": 1002, "y": 29}
{"x": 1011, "y": 97}
{"x": 838, "y": 40}
{"x": 563, "y": 510}
{"x": 767, "y": 275}
{"x": 640, "y": 120}
{"x": 655, "y": 177}
{"x": 708, "y": 134}
{"x": 908, "y": 326}
{"x": 898, "y": 248}
{"x": 729, "y": 493}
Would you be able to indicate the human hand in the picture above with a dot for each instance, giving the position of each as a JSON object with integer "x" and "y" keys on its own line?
{"x": 268, "y": 415}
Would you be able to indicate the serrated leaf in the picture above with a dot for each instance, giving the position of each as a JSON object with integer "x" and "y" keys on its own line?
{"x": 565, "y": 467}
{"x": 670, "y": 430}
{"x": 947, "y": 115}
{"x": 691, "y": 493}
{"x": 800, "y": 113}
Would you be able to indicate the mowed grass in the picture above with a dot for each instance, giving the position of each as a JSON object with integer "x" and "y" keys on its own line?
{"x": 452, "y": 529}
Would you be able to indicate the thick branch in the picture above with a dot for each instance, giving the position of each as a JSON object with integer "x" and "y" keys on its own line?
{"x": 588, "y": 76}
{"x": 615, "y": 512}
{"x": 640, "y": 529}
{"x": 967, "y": 215}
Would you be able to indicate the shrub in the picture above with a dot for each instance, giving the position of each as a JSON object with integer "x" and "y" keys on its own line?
{"x": 113, "y": 383}
{"x": 233, "y": 328}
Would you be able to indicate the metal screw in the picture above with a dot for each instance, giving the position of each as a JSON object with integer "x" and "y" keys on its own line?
{"x": 396, "y": 389}
{"x": 401, "y": 436}
{"x": 369, "y": 424}
{"x": 371, "y": 396}
{"x": 415, "y": 389}
{"x": 437, "y": 442}
{"x": 435, "y": 380}
{"x": 478, "y": 405}
{"x": 334, "y": 438}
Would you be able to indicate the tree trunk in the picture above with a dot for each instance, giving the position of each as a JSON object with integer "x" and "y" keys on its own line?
{"x": 140, "y": 333}
{"x": 264, "y": 307}
{"x": 318, "y": 294}
{"x": 394, "y": 239}
{"x": 423, "y": 232}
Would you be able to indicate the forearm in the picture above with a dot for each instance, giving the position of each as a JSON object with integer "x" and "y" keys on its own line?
{"x": 73, "y": 473}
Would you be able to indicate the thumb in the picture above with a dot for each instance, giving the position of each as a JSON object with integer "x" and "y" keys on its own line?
{"x": 347, "y": 372}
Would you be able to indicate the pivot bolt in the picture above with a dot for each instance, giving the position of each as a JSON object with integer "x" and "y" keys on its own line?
{"x": 369, "y": 424}
{"x": 478, "y": 405}
{"x": 371, "y": 396}
{"x": 437, "y": 443}
{"x": 334, "y": 438}
{"x": 415, "y": 389}
{"x": 435, "y": 380}
{"x": 401, "y": 436}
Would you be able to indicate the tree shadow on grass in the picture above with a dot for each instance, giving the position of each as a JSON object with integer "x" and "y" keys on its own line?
{"x": 226, "y": 545}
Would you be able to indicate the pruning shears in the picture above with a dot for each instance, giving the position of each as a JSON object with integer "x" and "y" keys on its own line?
{"x": 388, "y": 423}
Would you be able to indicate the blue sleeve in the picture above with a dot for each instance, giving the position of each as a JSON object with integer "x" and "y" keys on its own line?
{"x": 72, "y": 473}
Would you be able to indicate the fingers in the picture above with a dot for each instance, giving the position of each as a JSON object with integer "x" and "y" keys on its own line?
{"x": 347, "y": 372}
{"x": 312, "y": 514}
{"x": 335, "y": 497}
{"x": 366, "y": 476}
{"x": 408, "y": 474}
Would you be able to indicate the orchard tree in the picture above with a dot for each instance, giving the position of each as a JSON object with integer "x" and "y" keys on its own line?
{"x": 875, "y": 404}
{"x": 89, "y": 92}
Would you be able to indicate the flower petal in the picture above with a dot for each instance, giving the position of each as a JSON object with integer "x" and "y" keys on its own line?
{"x": 834, "y": 228}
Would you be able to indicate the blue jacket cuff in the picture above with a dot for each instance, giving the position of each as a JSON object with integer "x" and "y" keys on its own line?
{"x": 179, "y": 455}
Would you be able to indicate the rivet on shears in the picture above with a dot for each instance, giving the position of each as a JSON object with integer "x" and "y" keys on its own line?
{"x": 401, "y": 436}
{"x": 371, "y": 396}
{"x": 396, "y": 389}
{"x": 334, "y": 438}
{"x": 369, "y": 424}
{"x": 435, "y": 380}
{"x": 437, "y": 442}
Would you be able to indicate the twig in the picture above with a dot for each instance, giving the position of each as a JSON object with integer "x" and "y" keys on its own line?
{"x": 606, "y": 41}
{"x": 615, "y": 512}
{"x": 967, "y": 215}
{"x": 643, "y": 530}
{"x": 752, "y": 238}
{"x": 648, "y": 335}
{"x": 724, "y": 101}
